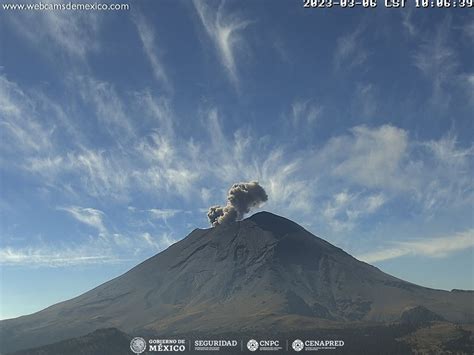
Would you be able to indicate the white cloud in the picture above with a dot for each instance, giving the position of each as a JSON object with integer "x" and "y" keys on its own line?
{"x": 469, "y": 30}
{"x": 89, "y": 216}
{"x": 100, "y": 173}
{"x": 367, "y": 161}
{"x": 365, "y": 101}
{"x": 225, "y": 31}
{"x": 429, "y": 247}
{"x": 373, "y": 203}
{"x": 407, "y": 22}
{"x": 52, "y": 258}
{"x": 161, "y": 243}
{"x": 31, "y": 125}
{"x": 71, "y": 33}
{"x": 371, "y": 157}
{"x": 437, "y": 60}
{"x": 373, "y": 165}
{"x": 168, "y": 166}
{"x": 110, "y": 109}
{"x": 206, "y": 195}
{"x": 287, "y": 186}
{"x": 305, "y": 112}
{"x": 106, "y": 248}
{"x": 446, "y": 151}
{"x": 467, "y": 82}
{"x": 148, "y": 39}
{"x": 22, "y": 129}
{"x": 157, "y": 148}
{"x": 52, "y": 165}
{"x": 449, "y": 181}
{"x": 345, "y": 209}
{"x": 159, "y": 111}
{"x": 163, "y": 213}
{"x": 435, "y": 175}
{"x": 350, "y": 52}
{"x": 155, "y": 162}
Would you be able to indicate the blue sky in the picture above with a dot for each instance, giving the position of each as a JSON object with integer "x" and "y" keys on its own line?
{"x": 120, "y": 129}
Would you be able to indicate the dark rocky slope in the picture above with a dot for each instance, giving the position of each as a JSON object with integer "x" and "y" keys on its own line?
{"x": 265, "y": 272}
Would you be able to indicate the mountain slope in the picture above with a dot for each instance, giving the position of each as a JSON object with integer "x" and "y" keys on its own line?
{"x": 264, "y": 272}
{"x": 99, "y": 342}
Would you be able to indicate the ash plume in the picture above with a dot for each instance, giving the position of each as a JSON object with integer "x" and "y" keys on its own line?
{"x": 241, "y": 198}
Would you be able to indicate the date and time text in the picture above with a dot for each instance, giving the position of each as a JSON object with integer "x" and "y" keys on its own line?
{"x": 424, "y": 4}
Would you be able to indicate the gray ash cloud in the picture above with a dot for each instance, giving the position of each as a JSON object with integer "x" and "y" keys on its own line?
{"x": 241, "y": 198}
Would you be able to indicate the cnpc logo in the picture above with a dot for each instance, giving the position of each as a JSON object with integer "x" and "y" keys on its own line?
{"x": 254, "y": 345}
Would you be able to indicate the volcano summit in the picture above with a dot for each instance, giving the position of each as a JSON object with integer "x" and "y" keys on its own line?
{"x": 264, "y": 272}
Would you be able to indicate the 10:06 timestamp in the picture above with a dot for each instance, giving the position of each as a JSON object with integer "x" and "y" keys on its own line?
{"x": 387, "y": 3}
{"x": 443, "y": 3}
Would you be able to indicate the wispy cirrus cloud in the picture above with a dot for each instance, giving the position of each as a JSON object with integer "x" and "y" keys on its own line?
{"x": 469, "y": 30}
{"x": 350, "y": 51}
{"x": 146, "y": 162}
{"x": 106, "y": 248}
{"x": 467, "y": 80}
{"x": 434, "y": 173}
{"x": 148, "y": 39}
{"x": 164, "y": 213}
{"x": 22, "y": 129}
{"x": 73, "y": 34}
{"x": 408, "y": 23}
{"x": 373, "y": 157}
{"x": 305, "y": 112}
{"x": 437, "y": 61}
{"x": 427, "y": 247}
{"x": 96, "y": 172}
{"x": 169, "y": 166}
{"x": 161, "y": 243}
{"x": 365, "y": 100}
{"x": 381, "y": 160}
{"x": 450, "y": 182}
{"x": 345, "y": 210}
{"x": 225, "y": 31}
{"x": 109, "y": 106}
{"x": 30, "y": 256}
{"x": 90, "y": 216}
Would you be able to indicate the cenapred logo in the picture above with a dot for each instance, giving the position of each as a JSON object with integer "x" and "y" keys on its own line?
{"x": 316, "y": 344}
{"x": 297, "y": 345}
{"x": 138, "y": 345}
{"x": 252, "y": 345}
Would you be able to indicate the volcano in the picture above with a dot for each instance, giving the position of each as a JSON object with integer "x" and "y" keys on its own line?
{"x": 264, "y": 272}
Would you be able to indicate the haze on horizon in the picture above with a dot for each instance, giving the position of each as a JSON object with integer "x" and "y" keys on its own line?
{"x": 120, "y": 129}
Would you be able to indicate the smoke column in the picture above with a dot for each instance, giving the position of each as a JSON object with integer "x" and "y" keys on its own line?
{"x": 241, "y": 198}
